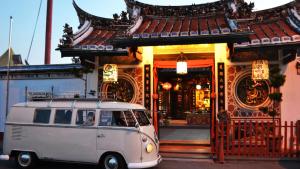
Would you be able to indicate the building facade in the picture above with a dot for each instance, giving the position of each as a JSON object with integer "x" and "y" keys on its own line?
{"x": 221, "y": 42}
{"x": 228, "y": 50}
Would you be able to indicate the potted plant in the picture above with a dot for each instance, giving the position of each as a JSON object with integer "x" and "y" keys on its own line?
{"x": 276, "y": 81}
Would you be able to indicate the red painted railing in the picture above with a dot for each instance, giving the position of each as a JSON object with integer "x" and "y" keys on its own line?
{"x": 266, "y": 139}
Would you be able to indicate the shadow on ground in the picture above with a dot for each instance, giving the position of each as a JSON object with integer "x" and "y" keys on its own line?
{"x": 289, "y": 164}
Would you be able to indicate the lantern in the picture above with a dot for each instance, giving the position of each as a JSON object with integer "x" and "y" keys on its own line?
{"x": 260, "y": 70}
{"x": 167, "y": 86}
{"x": 110, "y": 73}
{"x": 198, "y": 87}
{"x": 181, "y": 66}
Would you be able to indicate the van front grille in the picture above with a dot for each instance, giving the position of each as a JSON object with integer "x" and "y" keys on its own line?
{"x": 16, "y": 132}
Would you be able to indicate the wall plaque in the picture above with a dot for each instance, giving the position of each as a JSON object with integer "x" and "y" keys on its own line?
{"x": 147, "y": 86}
{"x": 221, "y": 86}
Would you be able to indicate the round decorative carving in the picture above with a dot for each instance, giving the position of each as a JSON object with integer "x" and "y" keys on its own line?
{"x": 125, "y": 90}
{"x": 251, "y": 94}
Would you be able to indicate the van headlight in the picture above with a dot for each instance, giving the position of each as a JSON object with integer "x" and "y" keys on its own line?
{"x": 149, "y": 148}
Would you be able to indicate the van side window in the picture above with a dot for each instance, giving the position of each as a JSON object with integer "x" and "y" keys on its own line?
{"x": 129, "y": 118}
{"x": 41, "y": 116}
{"x": 85, "y": 117}
{"x": 63, "y": 116}
{"x": 116, "y": 118}
{"x": 141, "y": 117}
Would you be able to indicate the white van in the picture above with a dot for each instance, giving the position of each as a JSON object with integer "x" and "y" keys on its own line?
{"x": 114, "y": 135}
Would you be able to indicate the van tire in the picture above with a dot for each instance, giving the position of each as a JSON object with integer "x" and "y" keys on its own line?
{"x": 29, "y": 160}
{"x": 117, "y": 161}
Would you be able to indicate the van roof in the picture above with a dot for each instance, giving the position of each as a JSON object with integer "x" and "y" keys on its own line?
{"x": 80, "y": 104}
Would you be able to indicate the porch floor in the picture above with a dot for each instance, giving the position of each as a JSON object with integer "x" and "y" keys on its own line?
{"x": 199, "y": 134}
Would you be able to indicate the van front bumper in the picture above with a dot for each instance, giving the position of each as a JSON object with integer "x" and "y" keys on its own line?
{"x": 147, "y": 164}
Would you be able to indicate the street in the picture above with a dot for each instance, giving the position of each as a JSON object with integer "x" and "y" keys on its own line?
{"x": 177, "y": 164}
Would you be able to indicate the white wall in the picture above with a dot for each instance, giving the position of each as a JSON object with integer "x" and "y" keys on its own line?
{"x": 17, "y": 91}
{"x": 92, "y": 83}
{"x": 290, "y": 105}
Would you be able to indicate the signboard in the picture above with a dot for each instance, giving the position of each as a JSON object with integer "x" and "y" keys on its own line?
{"x": 147, "y": 86}
{"x": 221, "y": 86}
{"x": 110, "y": 73}
{"x": 260, "y": 70}
{"x": 39, "y": 95}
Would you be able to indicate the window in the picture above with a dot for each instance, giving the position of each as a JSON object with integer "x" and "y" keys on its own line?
{"x": 63, "y": 116}
{"x": 85, "y": 117}
{"x": 41, "y": 116}
{"x": 141, "y": 117}
{"x": 117, "y": 118}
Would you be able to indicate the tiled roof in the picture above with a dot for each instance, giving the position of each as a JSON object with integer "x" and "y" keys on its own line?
{"x": 236, "y": 23}
{"x": 280, "y": 28}
{"x": 181, "y": 26}
{"x": 94, "y": 34}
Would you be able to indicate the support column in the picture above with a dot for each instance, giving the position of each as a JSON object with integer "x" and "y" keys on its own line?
{"x": 48, "y": 32}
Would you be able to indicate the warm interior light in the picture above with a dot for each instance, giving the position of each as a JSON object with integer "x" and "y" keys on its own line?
{"x": 181, "y": 66}
{"x": 198, "y": 87}
{"x": 167, "y": 86}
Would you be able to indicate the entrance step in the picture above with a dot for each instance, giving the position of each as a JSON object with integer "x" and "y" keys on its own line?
{"x": 186, "y": 156}
{"x": 179, "y": 149}
{"x": 203, "y": 142}
{"x": 185, "y": 149}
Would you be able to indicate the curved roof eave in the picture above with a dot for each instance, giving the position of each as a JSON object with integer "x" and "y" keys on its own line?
{"x": 83, "y": 15}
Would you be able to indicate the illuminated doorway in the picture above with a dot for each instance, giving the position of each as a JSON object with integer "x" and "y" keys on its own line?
{"x": 184, "y": 104}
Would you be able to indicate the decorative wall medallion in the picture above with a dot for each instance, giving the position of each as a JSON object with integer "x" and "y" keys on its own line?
{"x": 124, "y": 90}
{"x": 251, "y": 94}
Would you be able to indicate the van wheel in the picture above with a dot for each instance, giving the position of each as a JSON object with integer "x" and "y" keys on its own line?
{"x": 26, "y": 160}
{"x": 112, "y": 161}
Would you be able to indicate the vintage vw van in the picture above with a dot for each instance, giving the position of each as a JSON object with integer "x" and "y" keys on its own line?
{"x": 114, "y": 135}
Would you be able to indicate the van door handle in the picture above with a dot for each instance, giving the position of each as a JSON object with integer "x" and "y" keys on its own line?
{"x": 100, "y": 135}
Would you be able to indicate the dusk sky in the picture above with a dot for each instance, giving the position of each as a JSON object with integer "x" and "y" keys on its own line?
{"x": 24, "y": 13}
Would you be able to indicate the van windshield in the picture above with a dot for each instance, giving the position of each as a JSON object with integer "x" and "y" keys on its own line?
{"x": 141, "y": 117}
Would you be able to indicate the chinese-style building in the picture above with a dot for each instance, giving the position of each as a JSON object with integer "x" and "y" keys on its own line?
{"x": 219, "y": 41}
{"x": 228, "y": 50}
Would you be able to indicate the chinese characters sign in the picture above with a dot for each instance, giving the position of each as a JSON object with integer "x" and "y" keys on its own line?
{"x": 260, "y": 70}
{"x": 221, "y": 86}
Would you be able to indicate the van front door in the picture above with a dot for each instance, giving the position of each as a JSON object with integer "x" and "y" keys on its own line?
{"x": 117, "y": 133}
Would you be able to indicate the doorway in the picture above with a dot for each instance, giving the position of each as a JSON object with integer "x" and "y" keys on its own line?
{"x": 184, "y": 104}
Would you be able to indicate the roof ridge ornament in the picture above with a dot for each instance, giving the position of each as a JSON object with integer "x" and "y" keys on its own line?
{"x": 67, "y": 38}
{"x": 184, "y": 10}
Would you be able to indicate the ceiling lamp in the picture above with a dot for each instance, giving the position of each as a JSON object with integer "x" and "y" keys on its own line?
{"x": 260, "y": 70}
{"x": 181, "y": 66}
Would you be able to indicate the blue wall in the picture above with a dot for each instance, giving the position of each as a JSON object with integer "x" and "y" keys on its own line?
{"x": 17, "y": 91}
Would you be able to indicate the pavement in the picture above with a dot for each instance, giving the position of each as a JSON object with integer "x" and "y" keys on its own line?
{"x": 174, "y": 163}
{"x": 177, "y": 164}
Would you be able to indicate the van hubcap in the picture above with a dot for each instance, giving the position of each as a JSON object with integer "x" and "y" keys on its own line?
{"x": 111, "y": 162}
{"x": 24, "y": 159}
